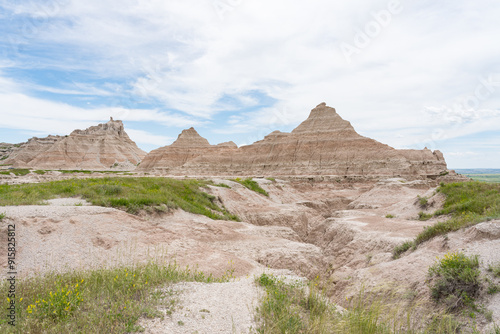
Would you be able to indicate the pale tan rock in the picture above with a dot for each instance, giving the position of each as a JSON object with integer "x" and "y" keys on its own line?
{"x": 98, "y": 147}
{"x": 324, "y": 144}
{"x": 23, "y": 153}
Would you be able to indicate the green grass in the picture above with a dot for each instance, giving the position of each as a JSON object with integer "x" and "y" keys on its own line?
{"x": 389, "y": 216}
{"x": 467, "y": 204}
{"x": 495, "y": 178}
{"x": 252, "y": 185}
{"x": 17, "y": 172}
{"x": 455, "y": 280}
{"x": 39, "y": 172}
{"x": 126, "y": 193}
{"x": 95, "y": 301}
{"x": 294, "y": 307}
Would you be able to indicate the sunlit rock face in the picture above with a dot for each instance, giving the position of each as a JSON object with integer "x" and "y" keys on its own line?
{"x": 324, "y": 144}
{"x": 98, "y": 147}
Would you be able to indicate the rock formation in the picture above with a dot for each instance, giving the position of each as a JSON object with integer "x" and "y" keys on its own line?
{"x": 21, "y": 154}
{"x": 98, "y": 147}
{"x": 324, "y": 144}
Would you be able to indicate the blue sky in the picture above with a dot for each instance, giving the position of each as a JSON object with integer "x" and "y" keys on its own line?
{"x": 408, "y": 74}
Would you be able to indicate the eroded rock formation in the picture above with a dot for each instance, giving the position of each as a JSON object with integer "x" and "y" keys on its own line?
{"x": 98, "y": 147}
{"x": 324, "y": 144}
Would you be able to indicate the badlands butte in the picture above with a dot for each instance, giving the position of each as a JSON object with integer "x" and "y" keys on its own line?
{"x": 334, "y": 208}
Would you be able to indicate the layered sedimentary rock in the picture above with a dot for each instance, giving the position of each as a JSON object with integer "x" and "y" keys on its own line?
{"x": 324, "y": 144}
{"x": 190, "y": 153}
{"x": 98, "y": 147}
{"x": 21, "y": 154}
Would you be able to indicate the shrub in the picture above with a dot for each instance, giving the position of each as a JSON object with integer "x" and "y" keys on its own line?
{"x": 424, "y": 216}
{"x": 389, "y": 216}
{"x": 455, "y": 280}
{"x": 423, "y": 201}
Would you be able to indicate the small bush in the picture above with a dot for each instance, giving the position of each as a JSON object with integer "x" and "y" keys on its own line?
{"x": 455, "y": 280}
{"x": 389, "y": 216}
{"x": 423, "y": 201}
{"x": 424, "y": 216}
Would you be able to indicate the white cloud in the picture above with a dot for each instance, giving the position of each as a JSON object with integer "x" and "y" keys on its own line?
{"x": 190, "y": 54}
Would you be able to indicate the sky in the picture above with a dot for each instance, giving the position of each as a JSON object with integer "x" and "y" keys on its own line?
{"x": 410, "y": 74}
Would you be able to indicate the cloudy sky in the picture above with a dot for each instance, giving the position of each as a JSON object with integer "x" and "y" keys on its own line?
{"x": 411, "y": 74}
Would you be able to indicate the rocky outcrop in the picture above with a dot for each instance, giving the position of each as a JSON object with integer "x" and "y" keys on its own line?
{"x": 23, "y": 153}
{"x": 190, "y": 153}
{"x": 98, "y": 147}
{"x": 324, "y": 144}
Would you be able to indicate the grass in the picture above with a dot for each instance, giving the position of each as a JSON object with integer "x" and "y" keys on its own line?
{"x": 293, "y": 307}
{"x": 95, "y": 301}
{"x": 17, "y": 172}
{"x": 126, "y": 193}
{"x": 467, "y": 204}
{"x": 389, "y": 216}
{"x": 495, "y": 178}
{"x": 455, "y": 280}
{"x": 252, "y": 185}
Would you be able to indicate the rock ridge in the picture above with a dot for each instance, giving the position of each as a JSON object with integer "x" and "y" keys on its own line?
{"x": 323, "y": 144}
{"x": 97, "y": 148}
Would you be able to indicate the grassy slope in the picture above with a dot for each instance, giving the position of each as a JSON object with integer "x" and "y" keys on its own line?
{"x": 130, "y": 194}
{"x": 252, "y": 185}
{"x": 97, "y": 301}
{"x": 468, "y": 203}
{"x": 292, "y": 307}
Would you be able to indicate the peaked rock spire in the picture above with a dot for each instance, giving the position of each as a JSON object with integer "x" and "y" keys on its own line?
{"x": 323, "y": 118}
{"x": 190, "y": 138}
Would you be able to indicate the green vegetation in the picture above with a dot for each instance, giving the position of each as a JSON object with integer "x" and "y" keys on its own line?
{"x": 400, "y": 249}
{"x": 222, "y": 185}
{"x": 423, "y": 201}
{"x": 389, "y": 216}
{"x": 468, "y": 203}
{"x": 127, "y": 193}
{"x": 495, "y": 178}
{"x": 252, "y": 185}
{"x": 294, "y": 307}
{"x": 272, "y": 179}
{"x": 4, "y": 157}
{"x": 40, "y": 172}
{"x": 424, "y": 216}
{"x": 494, "y": 269}
{"x": 95, "y": 301}
{"x": 455, "y": 280}
{"x": 17, "y": 172}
